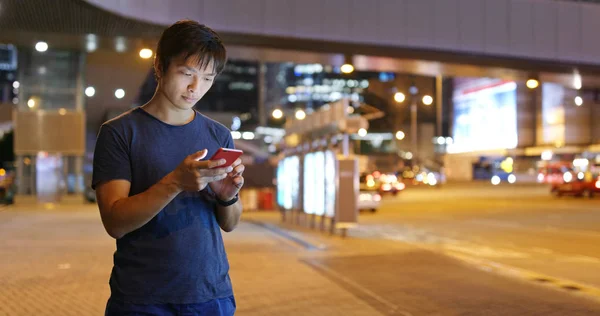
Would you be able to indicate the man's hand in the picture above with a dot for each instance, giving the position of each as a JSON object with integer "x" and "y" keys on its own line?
{"x": 227, "y": 187}
{"x": 193, "y": 175}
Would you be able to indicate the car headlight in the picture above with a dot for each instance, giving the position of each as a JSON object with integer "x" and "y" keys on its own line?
{"x": 495, "y": 180}
{"x": 568, "y": 177}
{"x": 512, "y": 178}
{"x": 540, "y": 177}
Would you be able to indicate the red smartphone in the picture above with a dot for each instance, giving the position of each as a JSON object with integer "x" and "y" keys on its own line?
{"x": 230, "y": 156}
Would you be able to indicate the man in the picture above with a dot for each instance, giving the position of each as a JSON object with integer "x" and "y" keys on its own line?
{"x": 160, "y": 198}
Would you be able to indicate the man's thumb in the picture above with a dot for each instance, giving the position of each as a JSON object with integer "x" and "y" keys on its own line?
{"x": 199, "y": 154}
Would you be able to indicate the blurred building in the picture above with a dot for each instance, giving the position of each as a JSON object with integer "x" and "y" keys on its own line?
{"x": 451, "y": 76}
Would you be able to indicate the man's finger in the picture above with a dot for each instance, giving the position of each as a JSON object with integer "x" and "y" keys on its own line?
{"x": 237, "y": 171}
{"x": 208, "y": 179}
{"x": 238, "y": 181}
{"x": 207, "y": 164}
{"x": 199, "y": 154}
{"x": 216, "y": 163}
{"x": 237, "y": 162}
{"x": 214, "y": 172}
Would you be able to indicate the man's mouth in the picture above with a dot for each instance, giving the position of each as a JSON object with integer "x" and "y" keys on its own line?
{"x": 188, "y": 99}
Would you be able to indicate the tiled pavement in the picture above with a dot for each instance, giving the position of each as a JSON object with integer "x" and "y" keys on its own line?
{"x": 57, "y": 261}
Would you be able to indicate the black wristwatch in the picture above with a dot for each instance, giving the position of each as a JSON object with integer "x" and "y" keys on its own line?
{"x": 228, "y": 203}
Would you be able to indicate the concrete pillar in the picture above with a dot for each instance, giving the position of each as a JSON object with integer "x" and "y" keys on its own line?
{"x": 577, "y": 119}
{"x": 79, "y": 185}
{"x": 527, "y": 100}
{"x": 20, "y": 174}
{"x": 33, "y": 175}
{"x": 439, "y": 102}
{"x": 66, "y": 161}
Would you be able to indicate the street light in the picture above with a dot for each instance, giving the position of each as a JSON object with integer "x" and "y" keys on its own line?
{"x": 400, "y": 135}
{"x": 146, "y": 53}
{"x": 300, "y": 115}
{"x": 119, "y": 93}
{"x": 427, "y": 100}
{"x": 277, "y": 114}
{"x": 532, "y": 83}
{"x": 577, "y": 82}
{"x": 90, "y": 91}
{"x": 399, "y": 97}
{"x": 347, "y": 68}
{"x": 41, "y": 47}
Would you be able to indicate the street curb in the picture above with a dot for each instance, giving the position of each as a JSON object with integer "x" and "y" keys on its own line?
{"x": 572, "y": 287}
{"x": 286, "y": 234}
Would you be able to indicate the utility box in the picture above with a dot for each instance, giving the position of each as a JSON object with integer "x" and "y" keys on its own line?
{"x": 346, "y": 213}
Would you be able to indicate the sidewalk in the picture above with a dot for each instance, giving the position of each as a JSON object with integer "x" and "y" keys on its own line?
{"x": 57, "y": 261}
{"x": 270, "y": 278}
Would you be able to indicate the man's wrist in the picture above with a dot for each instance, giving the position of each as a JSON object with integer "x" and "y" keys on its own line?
{"x": 170, "y": 182}
{"x": 227, "y": 201}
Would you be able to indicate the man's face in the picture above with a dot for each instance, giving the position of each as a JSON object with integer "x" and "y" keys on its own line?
{"x": 185, "y": 82}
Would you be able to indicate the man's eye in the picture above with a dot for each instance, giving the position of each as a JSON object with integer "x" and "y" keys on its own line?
{"x": 208, "y": 79}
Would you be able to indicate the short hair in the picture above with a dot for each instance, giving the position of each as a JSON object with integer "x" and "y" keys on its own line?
{"x": 190, "y": 39}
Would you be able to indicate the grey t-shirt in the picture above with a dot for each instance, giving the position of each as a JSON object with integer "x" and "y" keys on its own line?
{"x": 178, "y": 257}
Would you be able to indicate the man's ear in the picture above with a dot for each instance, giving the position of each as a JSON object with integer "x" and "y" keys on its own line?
{"x": 157, "y": 69}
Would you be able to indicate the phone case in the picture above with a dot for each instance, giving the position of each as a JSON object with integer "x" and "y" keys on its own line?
{"x": 230, "y": 156}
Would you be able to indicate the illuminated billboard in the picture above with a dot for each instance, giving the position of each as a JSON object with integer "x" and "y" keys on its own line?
{"x": 553, "y": 113}
{"x": 485, "y": 116}
{"x": 288, "y": 182}
{"x": 319, "y": 183}
{"x": 309, "y": 180}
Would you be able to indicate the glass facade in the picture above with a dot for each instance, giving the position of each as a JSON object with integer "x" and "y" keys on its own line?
{"x": 50, "y": 80}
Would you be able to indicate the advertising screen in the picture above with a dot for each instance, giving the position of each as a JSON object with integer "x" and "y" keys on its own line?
{"x": 319, "y": 183}
{"x": 293, "y": 177}
{"x": 280, "y": 182}
{"x": 309, "y": 180}
{"x": 553, "y": 113}
{"x": 485, "y": 116}
{"x": 287, "y": 182}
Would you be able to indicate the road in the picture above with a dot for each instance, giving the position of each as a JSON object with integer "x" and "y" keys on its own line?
{"x": 469, "y": 249}
{"x": 521, "y": 226}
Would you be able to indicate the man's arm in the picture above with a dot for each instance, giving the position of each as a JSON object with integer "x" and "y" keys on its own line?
{"x": 122, "y": 214}
{"x": 228, "y": 217}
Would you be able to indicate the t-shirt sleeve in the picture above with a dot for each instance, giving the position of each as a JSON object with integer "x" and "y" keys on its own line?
{"x": 228, "y": 143}
{"x": 111, "y": 157}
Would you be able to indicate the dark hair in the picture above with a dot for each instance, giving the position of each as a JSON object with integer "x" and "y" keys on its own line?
{"x": 187, "y": 38}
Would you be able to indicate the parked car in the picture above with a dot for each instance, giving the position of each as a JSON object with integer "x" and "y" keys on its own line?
{"x": 369, "y": 200}
{"x": 577, "y": 184}
{"x": 369, "y": 197}
{"x": 7, "y": 187}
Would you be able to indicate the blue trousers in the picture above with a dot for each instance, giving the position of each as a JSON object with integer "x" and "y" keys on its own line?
{"x": 218, "y": 307}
